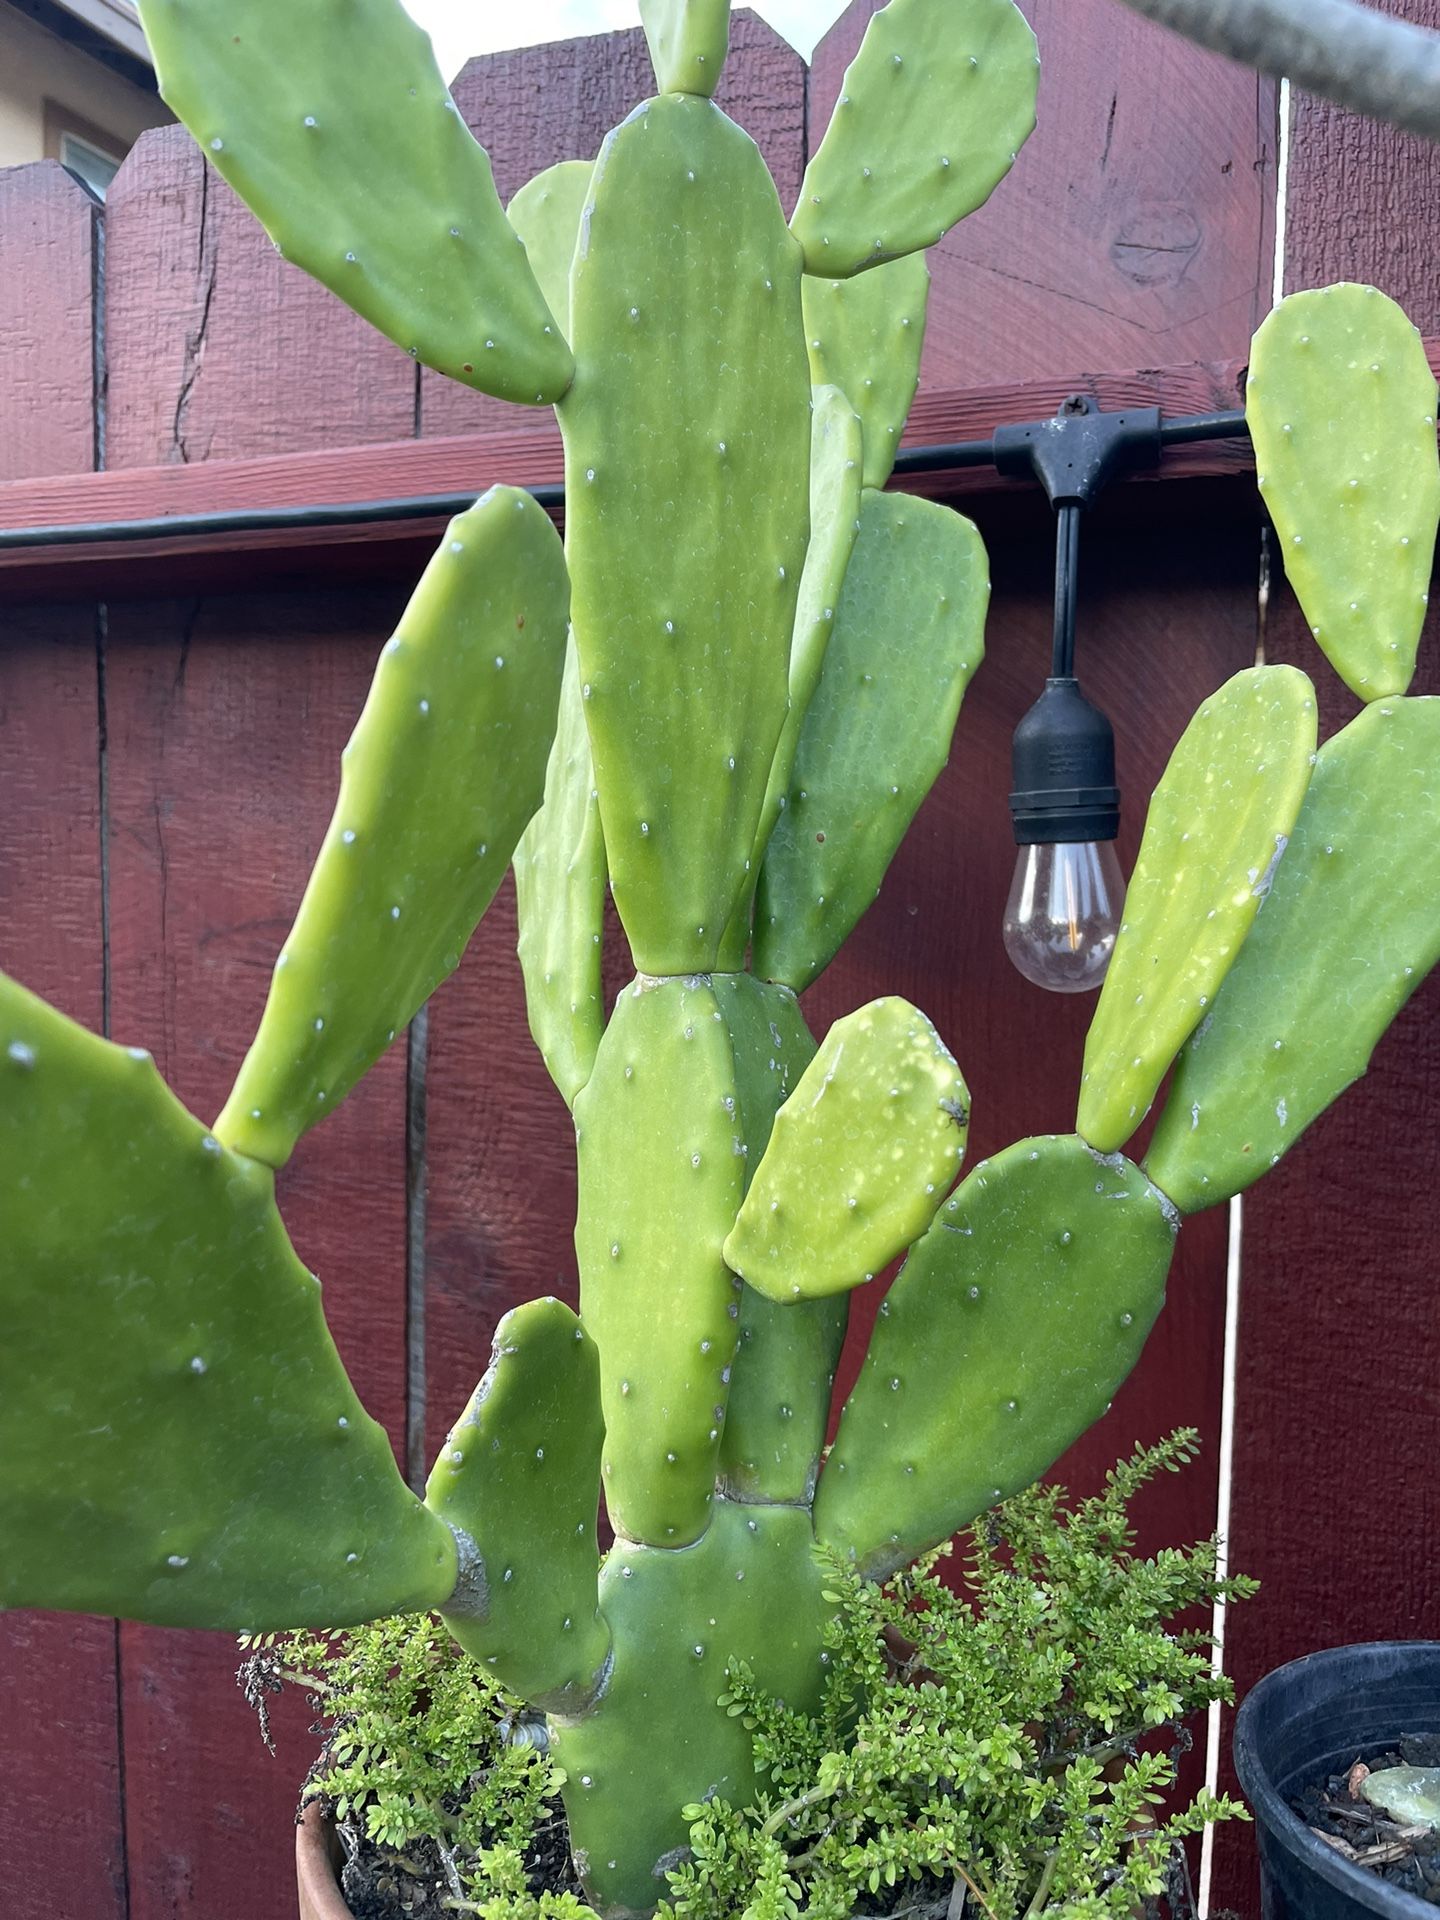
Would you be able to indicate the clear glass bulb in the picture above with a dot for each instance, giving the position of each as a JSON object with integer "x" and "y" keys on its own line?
{"x": 1064, "y": 912}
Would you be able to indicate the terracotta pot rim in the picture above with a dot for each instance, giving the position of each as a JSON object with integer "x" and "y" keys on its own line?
{"x": 318, "y": 1856}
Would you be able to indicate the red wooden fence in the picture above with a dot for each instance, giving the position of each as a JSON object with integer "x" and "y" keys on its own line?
{"x": 167, "y": 766}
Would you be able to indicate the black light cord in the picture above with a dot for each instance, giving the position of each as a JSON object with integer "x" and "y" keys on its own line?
{"x": 317, "y": 516}
{"x": 1067, "y": 571}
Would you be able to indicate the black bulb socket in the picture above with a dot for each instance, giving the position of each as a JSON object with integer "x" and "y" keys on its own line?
{"x": 1064, "y": 770}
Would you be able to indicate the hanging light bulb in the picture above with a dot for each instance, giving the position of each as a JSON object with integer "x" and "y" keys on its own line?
{"x": 1068, "y": 892}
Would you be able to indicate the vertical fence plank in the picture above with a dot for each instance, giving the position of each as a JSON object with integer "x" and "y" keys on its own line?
{"x": 1135, "y": 230}
{"x": 1337, "y": 1355}
{"x": 226, "y": 721}
{"x": 537, "y": 105}
{"x": 216, "y": 347}
{"x": 48, "y": 228}
{"x": 60, "y": 1794}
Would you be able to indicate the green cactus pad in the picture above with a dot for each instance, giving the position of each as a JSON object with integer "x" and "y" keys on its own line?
{"x": 443, "y": 771}
{"x": 931, "y": 114}
{"x": 688, "y": 41}
{"x": 687, "y": 435}
{"x": 836, "y": 448}
{"x": 877, "y": 731}
{"x": 1350, "y": 929}
{"x": 1218, "y": 824}
{"x": 519, "y": 1479}
{"x": 1340, "y": 402}
{"x": 785, "y": 1367}
{"x": 178, "y": 1440}
{"x": 661, "y": 1174}
{"x": 560, "y": 897}
{"x": 658, "y": 1739}
{"x": 860, "y": 1157}
{"x": 1009, "y": 1329}
{"x": 332, "y": 123}
{"x": 864, "y": 336}
{"x": 546, "y": 215}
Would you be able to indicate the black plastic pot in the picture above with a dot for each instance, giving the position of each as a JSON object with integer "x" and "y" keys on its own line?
{"x": 1315, "y": 1717}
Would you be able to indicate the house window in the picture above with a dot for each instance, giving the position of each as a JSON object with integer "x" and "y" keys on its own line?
{"x": 87, "y": 150}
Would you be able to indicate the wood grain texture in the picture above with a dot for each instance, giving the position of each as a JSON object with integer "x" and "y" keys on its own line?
{"x": 1136, "y": 226}
{"x": 1362, "y": 197}
{"x": 226, "y": 720}
{"x": 218, "y": 348}
{"x": 60, "y": 1776}
{"x": 61, "y": 1810}
{"x": 47, "y": 280}
{"x": 536, "y": 105}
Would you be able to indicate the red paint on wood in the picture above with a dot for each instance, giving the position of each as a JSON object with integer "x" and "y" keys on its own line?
{"x": 216, "y": 347}
{"x": 47, "y": 263}
{"x": 500, "y": 1163}
{"x": 1362, "y": 198}
{"x": 1337, "y": 1350}
{"x": 226, "y": 721}
{"x": 59, "y": 1752}
{"x": 1136, "y": 224}
{"x": 536, "y": 105}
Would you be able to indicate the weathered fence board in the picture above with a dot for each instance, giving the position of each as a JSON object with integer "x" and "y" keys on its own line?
{"x": 226, "y": 720}
{"x": 215, "y": 346}
{"x": 48, "y": 238}
{"x": 1137, "y": 226}
{"x": 61, "y": 1814}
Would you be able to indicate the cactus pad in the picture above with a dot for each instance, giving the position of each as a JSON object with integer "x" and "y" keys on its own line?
{"x": 662, "y": 1171}
{"x": 1217, "y": 826}
{"x": 785, "y": 1366}
{"x": 180, "y": 1442}
{"x": 688, "y": 41}
{"x": 658, "y": 1738}
{"x": 687, "y": 437}
{"x": 877, "y": 731}
{"x": 560, "y": 898}
{"x": 332, "y": 123}
{"x": 519, "y": 1477}
{"x": 1010, "y": 1327}
{"x": 444, "y": 769}
{"x": 1340, "y": 402}
{"x": 546, "y": 215}
{"x": 1349, "y": 931}
{"x": 860, "y": 1156}
{"x": 864, "y": 336}
{"x": 931, "y": 114}
{"x": 835, "y": 456}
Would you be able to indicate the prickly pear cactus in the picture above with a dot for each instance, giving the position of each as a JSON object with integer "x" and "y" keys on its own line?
{"x": 764, "y": 662}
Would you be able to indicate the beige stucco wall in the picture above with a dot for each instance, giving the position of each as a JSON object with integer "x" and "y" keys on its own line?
{"x": 35, "y": 66}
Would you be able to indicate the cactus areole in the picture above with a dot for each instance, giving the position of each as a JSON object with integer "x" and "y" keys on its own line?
{"x": 723, "y": 699}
